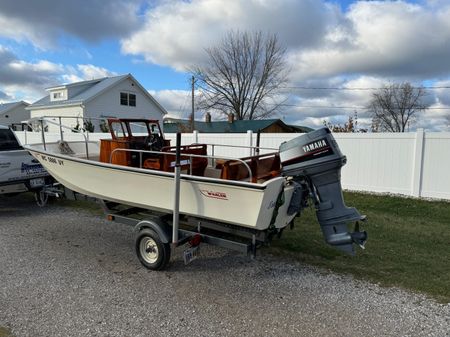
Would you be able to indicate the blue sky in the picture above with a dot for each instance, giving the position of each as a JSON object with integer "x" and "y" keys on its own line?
{"x": 344, "y": 44}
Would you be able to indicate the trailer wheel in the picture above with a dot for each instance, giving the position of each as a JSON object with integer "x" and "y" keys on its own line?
{"x": 151, "y": 251}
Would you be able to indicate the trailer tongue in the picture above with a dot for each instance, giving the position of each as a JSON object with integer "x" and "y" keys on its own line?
{"x": 314, "y": 161}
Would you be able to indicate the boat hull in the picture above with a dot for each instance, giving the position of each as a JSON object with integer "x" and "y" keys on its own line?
{"x": 240, "y": 203}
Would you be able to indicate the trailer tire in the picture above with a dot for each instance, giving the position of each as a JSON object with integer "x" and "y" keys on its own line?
{"x": 151, "y": 251}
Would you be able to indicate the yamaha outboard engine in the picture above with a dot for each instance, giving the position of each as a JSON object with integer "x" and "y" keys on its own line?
{"x": 314, "y": 159}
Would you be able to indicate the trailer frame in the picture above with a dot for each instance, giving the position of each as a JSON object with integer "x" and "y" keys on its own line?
{"x": 192, "y": 231}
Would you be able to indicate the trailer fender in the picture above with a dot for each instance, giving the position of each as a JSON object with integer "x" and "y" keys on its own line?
{"x": 159, "y": 226}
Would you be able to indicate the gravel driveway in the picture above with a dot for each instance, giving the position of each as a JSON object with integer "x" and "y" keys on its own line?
{"x": 65, "y": 271}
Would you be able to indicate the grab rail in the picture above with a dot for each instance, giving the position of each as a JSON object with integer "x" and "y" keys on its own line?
{"x": 182, "y": 154}
{"x": 61, "y": 126}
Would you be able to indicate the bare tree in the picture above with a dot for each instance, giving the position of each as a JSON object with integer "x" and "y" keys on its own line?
{"x": 396, "y": 106}
{"x": 243, "y": 75}
{"x": 351, "y": 126}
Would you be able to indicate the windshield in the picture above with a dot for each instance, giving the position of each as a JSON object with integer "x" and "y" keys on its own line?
{"x": 8, "y": 141}
{"x": 139, "y": 128}
{"x": 119, "y": 129}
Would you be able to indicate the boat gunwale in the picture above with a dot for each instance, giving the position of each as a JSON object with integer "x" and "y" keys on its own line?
{"x": 244, "y": 184}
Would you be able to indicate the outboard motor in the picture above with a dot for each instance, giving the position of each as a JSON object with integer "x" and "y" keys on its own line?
{"x": 314, "y": 159}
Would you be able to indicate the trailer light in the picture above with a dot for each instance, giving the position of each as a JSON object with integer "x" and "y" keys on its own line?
{"x": 195, "y": 240}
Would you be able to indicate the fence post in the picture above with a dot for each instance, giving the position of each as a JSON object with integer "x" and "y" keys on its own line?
{"x": 250, "y": 141}
{"x": 195, "y": 132}
{"x": 418, "y": 163}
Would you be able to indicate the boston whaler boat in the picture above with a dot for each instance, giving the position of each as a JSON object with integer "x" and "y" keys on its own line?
{"x": 179, "y": 194}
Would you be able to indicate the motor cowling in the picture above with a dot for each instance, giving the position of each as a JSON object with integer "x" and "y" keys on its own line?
{"x": 315, "y": 158}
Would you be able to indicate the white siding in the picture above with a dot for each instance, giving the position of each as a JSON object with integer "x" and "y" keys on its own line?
{"x": 15, "y": 116}
{"x": 74, "y": 111}
{"x": 58, "y": 95}
{"x": 108, "y": 104}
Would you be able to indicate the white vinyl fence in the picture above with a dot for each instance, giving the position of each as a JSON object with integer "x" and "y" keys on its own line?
{"x": 415, "y": 164}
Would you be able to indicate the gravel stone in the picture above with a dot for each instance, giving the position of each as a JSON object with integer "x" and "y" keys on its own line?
{"x": 65, "y": 271}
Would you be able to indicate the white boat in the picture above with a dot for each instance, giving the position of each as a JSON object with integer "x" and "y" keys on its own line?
{"x": 261, "y": 192}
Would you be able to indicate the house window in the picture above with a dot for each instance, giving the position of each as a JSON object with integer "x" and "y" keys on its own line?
{"x": 127, "y": 99}
{"x": 123, "y": 98}
{"x": 132, "y": 99}
{"x": 57, "y": 95}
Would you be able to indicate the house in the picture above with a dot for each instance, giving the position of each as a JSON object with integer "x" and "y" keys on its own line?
{"x": 12, "y": 114}
{"x": 172, "y": 125}
{"x": 94, "y": 100}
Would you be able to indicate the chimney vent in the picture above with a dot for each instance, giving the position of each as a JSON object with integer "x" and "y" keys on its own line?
{"x": 230, "y": 117}
{"x": 208, "y": 117}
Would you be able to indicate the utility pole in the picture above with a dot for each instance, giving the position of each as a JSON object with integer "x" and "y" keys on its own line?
{"x": 193, "y": 107}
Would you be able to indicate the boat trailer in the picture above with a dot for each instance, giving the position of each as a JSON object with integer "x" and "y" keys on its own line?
{"x": 153, "y": 242}
{"x": 154, "y": 230}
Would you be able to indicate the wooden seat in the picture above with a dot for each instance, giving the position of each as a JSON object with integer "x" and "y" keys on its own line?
{"x": 107, "y": 146}
{"x": 152, "y": 163}
{"x": 263, "y": 167}
{"x": 198, "y": 165}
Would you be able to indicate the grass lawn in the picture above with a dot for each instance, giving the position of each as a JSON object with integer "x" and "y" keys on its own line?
{"x": 5, "y": 332}
{"x": 408, "y": 244}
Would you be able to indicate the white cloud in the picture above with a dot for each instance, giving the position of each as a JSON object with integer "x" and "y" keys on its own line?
{"x": 27, "y": 77}
{"x": 42, "y": 22}
{"x": 176, "y": 102}
{"x": 84, "y": 72}
{"x": 377, "y": 38}
{"x": 4, "y": 97}
{"x": 21, "y": 80}
{"x": 372, "y": 44}
{"x": 176, "y": 32}
{"x": 389, "y": 39}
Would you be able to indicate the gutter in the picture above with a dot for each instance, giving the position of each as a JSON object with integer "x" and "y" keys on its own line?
{"x": 37, "y": 107}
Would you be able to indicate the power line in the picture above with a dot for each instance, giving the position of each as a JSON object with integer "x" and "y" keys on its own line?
{"x": 323, "y": 106}
{"x": 346, "y": 107}
{"x": 362, "y": 88}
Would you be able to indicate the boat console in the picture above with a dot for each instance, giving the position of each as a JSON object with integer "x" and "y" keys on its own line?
{"x": 131, "y": 134}
{"x": 154, "y": 152}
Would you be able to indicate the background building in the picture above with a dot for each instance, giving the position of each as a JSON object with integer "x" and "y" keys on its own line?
{"x": 172, "y": 125}
{"x": 118, "y": 96}
{"x": 12, "y": 114}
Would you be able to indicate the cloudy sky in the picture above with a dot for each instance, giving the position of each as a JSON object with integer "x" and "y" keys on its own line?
{"x": 337, "y": 50}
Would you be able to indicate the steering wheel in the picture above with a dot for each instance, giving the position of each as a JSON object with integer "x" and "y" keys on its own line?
{"x": 154, "y": 142}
